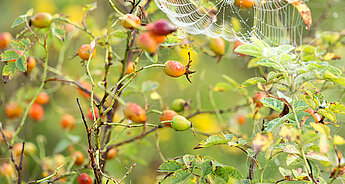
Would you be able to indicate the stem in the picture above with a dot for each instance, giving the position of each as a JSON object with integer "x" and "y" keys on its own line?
{"x": 22, "y": 122}
{"x": 114, "y": 8}
{"x": 77, "y": 26}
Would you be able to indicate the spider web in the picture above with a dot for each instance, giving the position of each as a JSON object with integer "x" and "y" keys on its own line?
{"x": 274, "y": 21}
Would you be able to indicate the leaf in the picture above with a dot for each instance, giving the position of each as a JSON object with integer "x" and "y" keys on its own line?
{"x": 231, "y": 81}
{"x": 316, "y": 156}
{"x": 18, "y": 21}
{"x": 273, "y": 75}
{"x": 206, "y": 168}
{"x": 338, "y": 140}
{"x": 18, "y": 45}
{"x": 9, "y": 55}
{"x": 222, "y": 86}
{"x": 153, "y": 59}
{"x": 252, "y": 81}
{"x": 328, "y": 114}
{"x": 330, "y": 56}
{"x": 259, "y": 43}
{"x": 303, "y": 10}
{"x": 211, "y": 141}
{"x": 169, "y": 166}
{"x": 285, "y": 172}
{"x": 149, "y": 86}
{"x": 253, "y": 63}
{"x": 249, "y": 49}
{"x": 337, "y": 107}
{"x": 89, "y": 7}
{"x": 61, "y": 145}
{"x": 180, "y": 176}
{"x": 269, "y": 63}
{"x": 273, "y": 103}
{"x": 333, "y": 78}
{"x": 292, "y": 149}
{"x": 21, "y": 63}
{"x": 292, "y": 158}
{"x": 227, "y": 172}
{"x": 8, "y": 72}
{"x": 59, "y": 33}
{"x": 189, "y": 160}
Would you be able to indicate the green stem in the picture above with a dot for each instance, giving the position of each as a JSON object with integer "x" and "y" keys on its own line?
{"x": 22, "y": 122}
{"x": 114, "y": 8}
{"x": 75, "y": 25}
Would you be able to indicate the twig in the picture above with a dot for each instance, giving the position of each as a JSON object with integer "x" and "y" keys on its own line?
{"x": 9, "y": 147}
{"x": 90, "y": 150}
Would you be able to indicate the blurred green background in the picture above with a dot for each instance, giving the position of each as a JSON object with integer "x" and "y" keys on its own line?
{"x": 172, "y": 144}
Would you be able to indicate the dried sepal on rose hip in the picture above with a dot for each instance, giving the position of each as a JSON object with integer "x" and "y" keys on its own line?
{"x": 179, "y": 105}
{"x": 41, "y": 20}
{"x": 130, "y": 21}
{"x": 135, "y": 113}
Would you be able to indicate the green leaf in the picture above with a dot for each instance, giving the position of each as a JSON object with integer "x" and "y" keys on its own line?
{"x": 253, "y": 63}
{"x": 206, "y": 168}
{"x": 149, "y": 86}
{"x": 231, "y": 81}
{"x": 61, "y": 145}
{"x": 9, "y": 55}
{"x": 273, "y": 103}
{"x": 285, "y": 172}
{"x": 8, "y": 71}
{"x": 316, "y": 156}
{"x": 249, "y": 49}
{"x": 272, "y": 125}
{"x": 120, "y": 33}
{"x": 252, "y": 81}
{"x": 259, "y": 43}
{"x": 89, "y": 7}
{"x": 18, "y": 45}
{"x": 180, "y": 176}
{"x": 21, "y": 63}
{"x": 287, "y": 57}
{"x": 335, "y": 79}
{"x": 273, "y": 75}
{"x": 59, "y": 33}
{"x": 292, "y": 158}
{"x": 170, "y": 166}
{"x": 226, "y": 172}
{"x": 337, "y": 107}
{"x": 269, "y": 63}
{"x": 18, "y": 21}
{"x": 153, "y": 59}
{"x": 222, "y": 86}
{"x": 211, "y": 141}
{"x": 189, "y": 161}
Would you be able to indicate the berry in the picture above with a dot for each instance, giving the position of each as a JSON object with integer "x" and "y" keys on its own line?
{"x": 20, "y": 54}
{"x": 89, "y": 114}
{"x": 85, "y": 51}
{"x": 217, "y": 45}
{"x": 157, "y": 38}
{"x": 67, "y": 122}
{"x": 42, "y": 98}
{"x": 13, "y": 110}
{"x": 5, "y": 39}
{"x": 6, "y": 170}
{"x": 36, "y": 112}
{"x": 135, "y": 113}
{"x": 178, "y": 105}
{"x": 87, "y": 86}
{"x": 29, "y": 149}
{"x": 79, "y": 157}
{"x": 241, "y": 119}
{"x": 130, "y": 21}
{"x": 163, "y": 27}
{"x": 167, "y": 116}
{"x": 41, "y": 20}
{"x": 245, "y": 3}
{"x": 84, "y": 178}
{"x": 257, "y": 97}
{"x": 111, "y": 154}
{"x": 180, "y": 123}
{"x": 174, "y": 68}
{"x": 147, "y": 43}
{"x": 130, "y": 67}
{"x": 237, "y": 44}
{"x": 31, "y": 64}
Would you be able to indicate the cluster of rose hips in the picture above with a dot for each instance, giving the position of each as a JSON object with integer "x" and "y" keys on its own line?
{"x": 169, "y": 117}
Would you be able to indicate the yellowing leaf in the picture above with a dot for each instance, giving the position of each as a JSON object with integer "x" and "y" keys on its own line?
{"x": 338, "y": 140}
{"x": 330, "y": 56}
